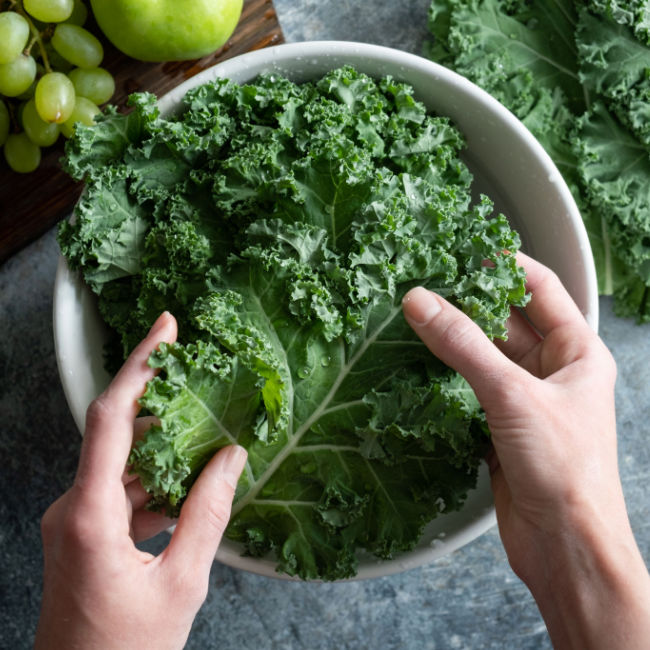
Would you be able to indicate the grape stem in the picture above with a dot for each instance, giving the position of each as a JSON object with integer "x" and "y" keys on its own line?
{"x": 36, "y": 35}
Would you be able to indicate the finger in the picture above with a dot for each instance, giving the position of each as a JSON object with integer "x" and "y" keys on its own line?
{"x": 206, "y": 511}
{"x": 128, "y": 385}
{"x": 457, "y": 341}
{"x": 140, "y": 427}
{"x": 136, "y": 494}
{"x": 522, "y": 338}
{"x": 146, "y": 524}
{"x": 550, "y": 304}
{"x": 109, "y": 420}
{"x": 143, "y": 523}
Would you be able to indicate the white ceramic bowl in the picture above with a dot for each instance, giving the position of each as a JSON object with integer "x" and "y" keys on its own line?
{"x": 508, "y": 164}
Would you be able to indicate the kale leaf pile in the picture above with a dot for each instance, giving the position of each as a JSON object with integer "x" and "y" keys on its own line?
{"x": 282, "y": 224}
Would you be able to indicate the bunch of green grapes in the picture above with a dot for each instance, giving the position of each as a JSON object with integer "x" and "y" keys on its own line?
{"x": 50, "y": 76}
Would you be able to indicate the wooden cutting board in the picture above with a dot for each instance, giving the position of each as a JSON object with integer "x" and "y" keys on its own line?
{"x": 30, "y": 204}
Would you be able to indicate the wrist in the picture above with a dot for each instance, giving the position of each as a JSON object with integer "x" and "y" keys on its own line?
{"x": 592, "y": 586}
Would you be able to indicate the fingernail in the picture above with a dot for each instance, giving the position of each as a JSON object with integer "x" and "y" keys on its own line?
{"x": 230, "y": 464}
{"x": 420, "y": 305}
{"x": 159, "y": 323}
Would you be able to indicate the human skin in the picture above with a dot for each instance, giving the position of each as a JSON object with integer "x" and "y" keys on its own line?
{"x": 100, "y": 591}
{"x": 548, "y": 395}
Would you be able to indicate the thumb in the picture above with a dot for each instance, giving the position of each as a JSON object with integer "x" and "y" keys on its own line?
{"x": 459, "y": 342}
{"x": 205, "y": 513}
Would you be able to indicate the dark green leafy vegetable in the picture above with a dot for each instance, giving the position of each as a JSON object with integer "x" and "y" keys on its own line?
{"x": 282, "y": 224}
{"x": 577, "y": 73}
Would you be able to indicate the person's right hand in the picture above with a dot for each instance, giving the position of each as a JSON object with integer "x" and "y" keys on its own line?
{"x": 548, "y": 395}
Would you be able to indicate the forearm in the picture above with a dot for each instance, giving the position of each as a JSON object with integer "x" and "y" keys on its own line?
{"x": 593, "y": 590}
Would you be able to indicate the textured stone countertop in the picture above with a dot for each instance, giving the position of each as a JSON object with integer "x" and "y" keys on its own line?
{"x": 469, "y": 599}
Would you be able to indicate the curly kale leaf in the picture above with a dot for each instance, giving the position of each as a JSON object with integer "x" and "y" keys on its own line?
{"x": 576, "y": 73}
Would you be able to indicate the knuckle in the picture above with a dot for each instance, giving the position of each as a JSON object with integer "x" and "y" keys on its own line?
{"x": 97, "y": 411}
{"x": 79, "y": 530}
{"x": 507, "y": 390}
{"x": 217, "y": 514}
{"x": 612, "y": 367}
{"x": 191, "y": 587}
{"x": 75, "y": 529}
{"x": 198, "y": 591}
{"x": 607, "y": 361}
{"x": 549, "y": 278}
{"x": 603, "y": 360}
{"x": 52, "y": 519}
{"x": 49, "y": 524}
{"x": 457, "y": 334}
{"x": 572, "y": 342}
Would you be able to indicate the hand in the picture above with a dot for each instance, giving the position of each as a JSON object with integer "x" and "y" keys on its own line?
{"x": 548, "y": 395}
{"x": 100, "y": 591}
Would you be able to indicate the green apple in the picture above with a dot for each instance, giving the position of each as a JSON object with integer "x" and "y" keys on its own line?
{"x": 167, "y": 30}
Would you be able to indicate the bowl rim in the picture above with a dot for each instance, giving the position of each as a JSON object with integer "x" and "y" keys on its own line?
{"x": 273, "y": 58}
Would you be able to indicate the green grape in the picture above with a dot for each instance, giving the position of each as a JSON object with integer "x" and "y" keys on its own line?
{"x": 97, "y": 84}
{"x": 44, "y": 134}
{"x": 5, "y": 122}
{"x": 17, "y": 75}
{"x": 54, "y": 97}
{"x": 77, "y": 45}
{"x": 79, "y": 14}
{"x": 29, "y": 93}
{"x": 49, "y": 11}
{"x": 14, "y": 32}
{"x": 84, "y": 112}
{"x": 21, "y": 154}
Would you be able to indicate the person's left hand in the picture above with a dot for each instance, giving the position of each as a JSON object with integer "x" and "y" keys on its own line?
{"x": 99, "y": 590}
